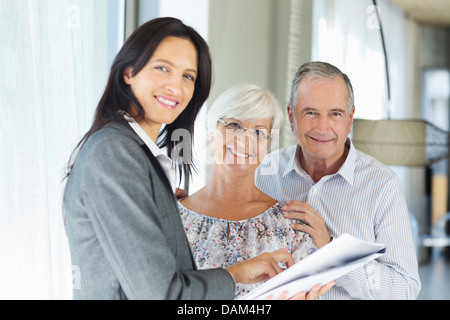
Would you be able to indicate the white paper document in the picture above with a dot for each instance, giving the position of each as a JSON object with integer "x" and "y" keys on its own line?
{"x": 337, "y": 258}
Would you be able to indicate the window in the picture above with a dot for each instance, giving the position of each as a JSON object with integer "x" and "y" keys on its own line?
{"x": 55, "y": 61}
{"x": 55, "y": 57}
{"x": 346, "y": 34}
{"x": 435, "y": 106}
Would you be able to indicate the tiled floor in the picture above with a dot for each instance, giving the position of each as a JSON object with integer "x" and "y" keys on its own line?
{"x": 435, "y": 278}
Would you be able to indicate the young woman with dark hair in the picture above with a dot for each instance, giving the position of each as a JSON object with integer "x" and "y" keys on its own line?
{"x": 125, "y": 234}
{"x": 118, "y": 98}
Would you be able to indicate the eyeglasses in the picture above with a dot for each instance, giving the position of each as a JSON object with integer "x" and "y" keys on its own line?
{"x": 258, "y": 135}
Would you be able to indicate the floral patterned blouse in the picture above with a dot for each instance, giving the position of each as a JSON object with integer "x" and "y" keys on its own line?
{"x": 218, "y": 243}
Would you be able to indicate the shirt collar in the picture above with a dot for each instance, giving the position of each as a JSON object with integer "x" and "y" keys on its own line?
{"x": 347, "y": 170}
{"x": 156, "y": 151}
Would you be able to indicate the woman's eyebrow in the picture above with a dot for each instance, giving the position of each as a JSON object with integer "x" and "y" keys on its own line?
{"x": 172, "y": 65}
{"x": 240, "y": 123}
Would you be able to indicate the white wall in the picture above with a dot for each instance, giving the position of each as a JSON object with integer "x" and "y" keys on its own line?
{"x": 245, "y": 44}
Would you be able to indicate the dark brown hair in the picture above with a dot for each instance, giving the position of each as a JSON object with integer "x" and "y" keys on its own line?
{"x": 135, "y": 53}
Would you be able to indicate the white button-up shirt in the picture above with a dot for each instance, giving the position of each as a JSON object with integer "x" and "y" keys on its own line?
{"x": 159, "y": 154}
{"x": 365, "y": 199}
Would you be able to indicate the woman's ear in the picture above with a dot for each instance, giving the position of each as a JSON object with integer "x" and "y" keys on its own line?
{"x": 128, "y": 75}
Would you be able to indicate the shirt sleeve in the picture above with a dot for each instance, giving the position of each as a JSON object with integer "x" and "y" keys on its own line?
{"x": 395, "y": 274}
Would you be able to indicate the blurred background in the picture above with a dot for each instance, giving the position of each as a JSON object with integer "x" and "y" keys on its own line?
{"x": 55, "y": 57}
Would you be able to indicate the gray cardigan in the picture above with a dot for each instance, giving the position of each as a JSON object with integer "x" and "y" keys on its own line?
{"x": 125, "y": 233}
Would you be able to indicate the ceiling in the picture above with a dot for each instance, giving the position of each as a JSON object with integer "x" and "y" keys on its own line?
{"x": 435, "y": 12}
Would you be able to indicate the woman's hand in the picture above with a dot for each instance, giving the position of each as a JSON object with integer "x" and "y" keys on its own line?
{"x": 180, "y": 194}
{"x": 260, "y": 268}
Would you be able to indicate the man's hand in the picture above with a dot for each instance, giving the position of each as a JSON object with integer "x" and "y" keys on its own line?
{"x": 313, "y": 221}
{"x": 313, "y": 294}
{"x": 260, "y": 268}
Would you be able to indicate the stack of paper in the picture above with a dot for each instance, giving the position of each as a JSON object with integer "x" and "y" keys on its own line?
{"x": 337, "y": 258}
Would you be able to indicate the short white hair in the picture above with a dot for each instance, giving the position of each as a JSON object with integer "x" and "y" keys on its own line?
{"x": 245, "y": 102}
{"x": 319, "y": 69}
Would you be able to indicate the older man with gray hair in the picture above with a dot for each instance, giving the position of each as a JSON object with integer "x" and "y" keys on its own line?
{"x": 335, "y": 189}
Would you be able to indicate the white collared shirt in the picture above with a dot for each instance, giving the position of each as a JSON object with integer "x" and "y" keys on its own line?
{"x": 365, "y": 199}
{"x": 163, "y": 159}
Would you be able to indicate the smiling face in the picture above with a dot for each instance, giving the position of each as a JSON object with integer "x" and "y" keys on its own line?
{"x": 165, "y": 86}
{"x": 321, "y": 120}
{"x": 238, "y": 151}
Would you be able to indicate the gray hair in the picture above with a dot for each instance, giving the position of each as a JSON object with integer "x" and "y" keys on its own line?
{"x": 318, "y": 69}
{"x": 245, "y": 102}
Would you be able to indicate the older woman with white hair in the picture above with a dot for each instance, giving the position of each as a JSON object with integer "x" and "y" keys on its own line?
{"x": 230, "y": 220}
